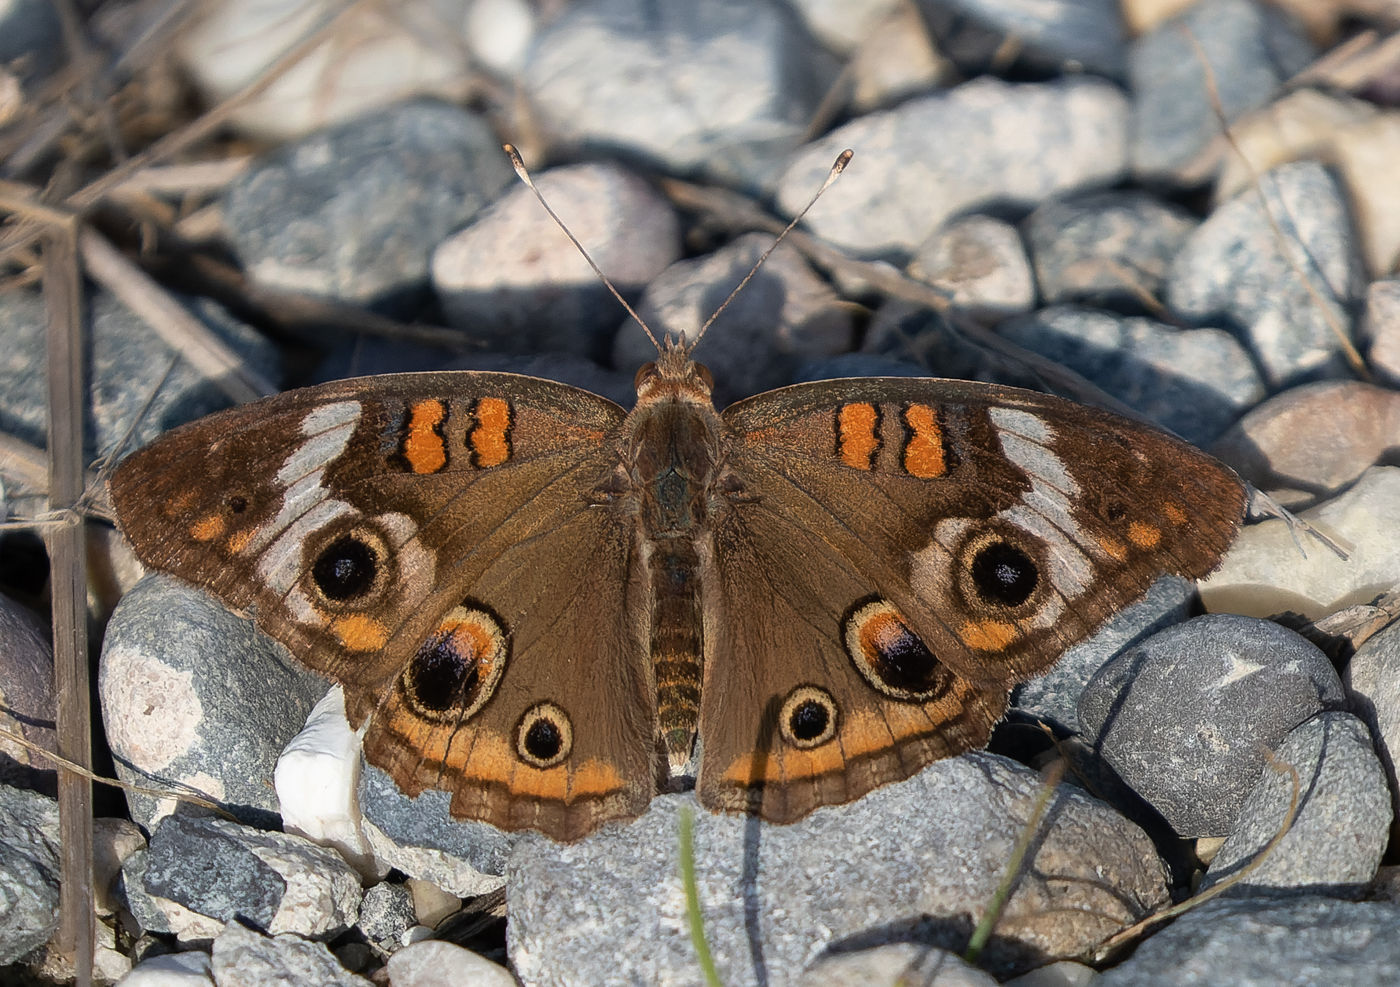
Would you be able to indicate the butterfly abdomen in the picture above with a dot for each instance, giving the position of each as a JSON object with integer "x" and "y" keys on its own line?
{"x": 675, "y": 645}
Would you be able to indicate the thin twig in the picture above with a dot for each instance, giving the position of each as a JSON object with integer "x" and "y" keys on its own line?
{"x": 68, "y": 581}
{"x": 179, "y": 790}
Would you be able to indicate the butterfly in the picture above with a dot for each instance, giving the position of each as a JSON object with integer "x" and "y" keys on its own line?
{"x": 554, "y": 608}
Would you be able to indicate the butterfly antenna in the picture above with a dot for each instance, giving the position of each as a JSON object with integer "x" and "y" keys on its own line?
{"x": 842, "y": 159}
{"x": 520, "y": 170}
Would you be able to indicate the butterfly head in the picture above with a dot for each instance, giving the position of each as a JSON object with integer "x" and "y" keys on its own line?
{"x": 673, "y": 370}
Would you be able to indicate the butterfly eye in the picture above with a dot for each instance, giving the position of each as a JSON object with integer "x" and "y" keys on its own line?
{"x": 544, "y": 737}
{"x": 808, "y": 717}
{"x": 703, "y": 372}
{"x": 644, "y": 374}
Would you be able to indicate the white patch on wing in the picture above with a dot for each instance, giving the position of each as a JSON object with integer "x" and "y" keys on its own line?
{"x": 1046, "y": 510}
{"x": 307, "y": 505}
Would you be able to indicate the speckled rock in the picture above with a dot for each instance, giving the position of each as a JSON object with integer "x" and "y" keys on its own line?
{"x": 244, "y": 958}
{"x": 1104, "y": 247}
{"x": 1295, "y": 942}
{"x": 724, "y": 88}
{"x": 910, "y": 860}
{"x": 127, "y": 366}
{"x": 1016, "y": 144}
{"x": 1251, "y": 47}
{"x": 514, "y": 280}
{"x": 1196, "y": 382}
{"x": 201, "y": 873}
{"x": 29, "y": 862}
{"x": 1372, "y": 680}
{"x": 194, "y": 695}
{"x": 981, "y": 264}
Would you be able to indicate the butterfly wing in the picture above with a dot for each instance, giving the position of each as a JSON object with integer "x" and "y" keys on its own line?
{"x": 442, "y": 558}
{"x": 911, "y": 549}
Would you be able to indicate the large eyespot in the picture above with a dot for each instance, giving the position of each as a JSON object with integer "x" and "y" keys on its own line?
{"x": 1002, "y": 574}
{"x": 456, "y": 669}
{"x": 889, "y": 655}
{"x": 808, "y": 717}
{"x": 346, "y": 568}
{"x": 544, "y": 737}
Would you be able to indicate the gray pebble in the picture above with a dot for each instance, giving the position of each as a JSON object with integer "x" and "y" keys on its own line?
{"x": 1252, "y": 48}
{"x": 1104, "y": 248}
{"x": 386, "y": 913}
{"x": 420, "y": 837}
{"x": 897, "y": 963}
{"x": 1195, "y": 382}
{"x": 199, "y": 869}
{"x": 783, "y": 317}
{"x": 980, "y": 263}
{"x": 127, "y": 364}
{"x": 932, "y": 158}
{"x": 1185, "y": 716}
{"x": 244, "y": 958}
{"x": 29, "y": 862}
{"x": 1380, "y": 330}
{"x": 1067, "y": 34}
{"x": 1372, "y": 680}
{"x": 1296, "y": 942}
{"x": 514, "y": 281}
{"x": 724, "y": 88}
{"x": 908, "y": 862}
{"x": 1054, "y": 697}
{"x": 1234, "y": 271}
{"x": 1335, "y": 842}
{"x": 353, "y": 212}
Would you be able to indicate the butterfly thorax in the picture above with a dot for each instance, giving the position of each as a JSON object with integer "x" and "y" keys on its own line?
{"x": 672, "y": 463}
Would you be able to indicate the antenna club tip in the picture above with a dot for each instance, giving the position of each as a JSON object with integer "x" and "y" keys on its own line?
{"x": 843, "y": 159}
{"x": 516, "y": 162}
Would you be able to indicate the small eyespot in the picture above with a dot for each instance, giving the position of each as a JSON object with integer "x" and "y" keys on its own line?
{"x": 544, "y": 737}
{"x": 1004, "y": 575}
{"x": 237, "y": 503}
{"x": 808, "y": 717}
{"x": 345, "y": 569}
